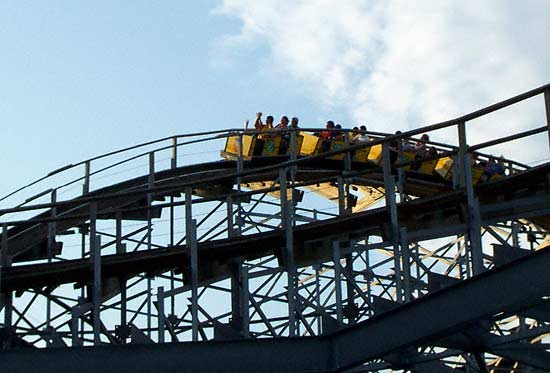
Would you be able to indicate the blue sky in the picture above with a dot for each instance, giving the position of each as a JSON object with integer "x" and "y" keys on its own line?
{"x": 78, "y": 79}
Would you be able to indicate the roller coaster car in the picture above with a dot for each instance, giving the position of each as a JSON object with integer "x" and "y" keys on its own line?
{"x": 444, "y": 168}
{"x": 262, "y": 145}
{"x": 477, "y": 172}
{"x": 428, "y": 166}
{"x": 314, "y": 145}
{"x": 311, "y": 144}
{"x": 407, "y": 157}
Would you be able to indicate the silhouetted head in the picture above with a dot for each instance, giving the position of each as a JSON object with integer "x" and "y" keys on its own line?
{"x": 269, "y": 119}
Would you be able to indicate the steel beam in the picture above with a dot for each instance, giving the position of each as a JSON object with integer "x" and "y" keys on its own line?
{"x": 287, "y": 226}
{"x": 95, "y": 256}
{"x": 391, "y": 206}
{"x": 442, "y": 313}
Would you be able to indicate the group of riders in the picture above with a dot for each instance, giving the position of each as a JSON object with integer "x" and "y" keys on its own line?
{"x": 420, "y": 150}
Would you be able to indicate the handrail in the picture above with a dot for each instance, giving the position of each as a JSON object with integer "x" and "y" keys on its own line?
{"x": 71, "y": 166}
{"x": 516, "y": 136}
{"x": 282, "y": 164}
{"x": 231, "y": 176}
{"x": 227, "y": 132}
{"x": 135, "y": 157}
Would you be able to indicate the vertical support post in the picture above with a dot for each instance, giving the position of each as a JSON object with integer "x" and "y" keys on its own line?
{"x": 293, "y": 153}
{"x": 160, "y": 310}
{"x": 341, "y": 196}
{"x": 462, "y": 153}
{"x": 336, "y": 255}
{"x": 230, "y": 221}
{"x": 118, "y": 233}
{"x": 174, "y": 156}
{"x": 244, "y": 301}
{"x": 95, "y": 255}
{"x": 467, "y": 256}
{"x": 293, "y": 169}
{"x": 86, "y": 186}
{"x": 52, "y": 226}
{"x": 50, "y": 249}
{"x": 84, "y": 230}
{"x": 400, "y": 172}
{"x": 406, "y": 265}
{"x": 289, "y": 252}
{"x": 417, "y": 256}
{"x": 240, "y": 307}
{"x": 547, "y": 107}
{"x": 236, "y": 302}
{"x": 347, "y": 156}
{"x": 75, "y": 341}
{"x": 240, "y": 168}
{"x": 347, "y": 168}
{"x": 473, "y": 218}
{"x": 344, "y": 208}
{"x": 391, "y": 205}
{"x": 5, "y": 262}
{"x": 188, "y": 214}
{"x": 123, "y": 307}
{"x": 240, "y": 155}
{"x": 120, "y": 249}
{"x": 515, "y": 234}
{"x": 368, "y": 274}
{"x": 150, "y": 184}
{"x": 191, "y": 243}
{"x": 455, "y": 176}
{"x": 192, "y": 236}
{"x": 350, "y": 291}
{"x": 239, "y": 299}
{"x": 173, "y": 166}
{"x": 318, "y": 299}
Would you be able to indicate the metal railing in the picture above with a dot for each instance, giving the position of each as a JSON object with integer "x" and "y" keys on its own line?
{"x": 202, "y": 137}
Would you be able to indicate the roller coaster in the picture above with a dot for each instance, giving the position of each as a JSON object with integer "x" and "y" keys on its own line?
{"x": 289, "y": 252}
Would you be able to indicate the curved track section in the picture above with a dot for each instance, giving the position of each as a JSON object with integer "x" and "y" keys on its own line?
{"x": 232, "y": 255}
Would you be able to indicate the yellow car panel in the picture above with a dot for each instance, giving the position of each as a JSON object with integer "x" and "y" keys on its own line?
{"x": 310, "y": 144}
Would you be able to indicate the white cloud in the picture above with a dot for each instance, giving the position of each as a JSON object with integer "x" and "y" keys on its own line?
{"x": 400, "y": 64}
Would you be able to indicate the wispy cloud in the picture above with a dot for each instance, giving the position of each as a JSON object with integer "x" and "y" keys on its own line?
{"x": 400, "y": 64}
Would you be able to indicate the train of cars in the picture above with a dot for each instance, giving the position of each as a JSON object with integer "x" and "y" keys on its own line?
{"x": 307, "y": 144}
